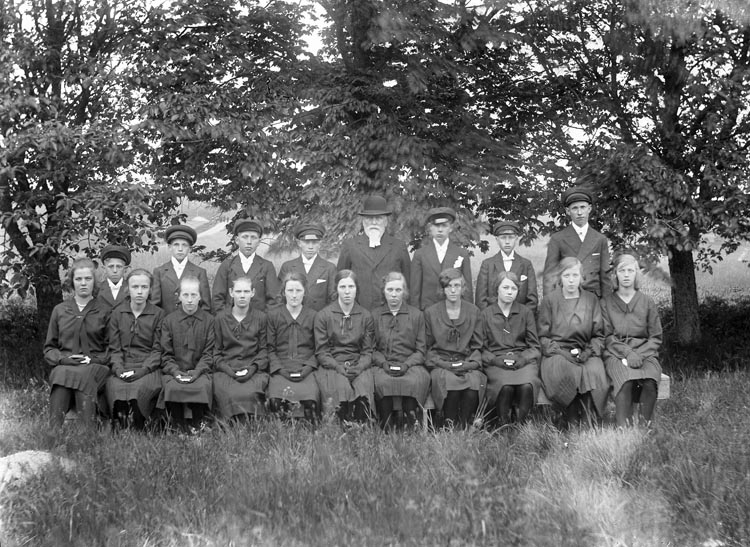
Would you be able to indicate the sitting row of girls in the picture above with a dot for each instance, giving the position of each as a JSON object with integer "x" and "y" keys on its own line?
{"x": 348, "y": 358}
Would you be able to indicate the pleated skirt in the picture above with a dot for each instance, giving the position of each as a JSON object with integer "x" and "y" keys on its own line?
{"x": 145, "y": 391}
{"x": 304, "y": 390}
{"x": 89, "y": 379}
{"x": 498, "y": 377}
{"x": 563, "y": 380}
{"x": 336, "y": 388}
{"x": 172, "y": 391}
{"x": 414, "y": 383}
{"x": 619, "y": 373}
{"x": 443, "y": 381}
{"x": 234, "y": 398}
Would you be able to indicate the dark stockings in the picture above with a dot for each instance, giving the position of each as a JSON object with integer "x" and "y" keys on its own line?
{"x": 407, "y": 416}
{"x": 59, "y": 403}
{"x": 176, "y": 413}
{"x": 522, "y": 397}
{"x": 459, "y": 407}
{"x": 631, "y": 392}
{"x": 283, "y": 407}
{"x": 124, "y": 412}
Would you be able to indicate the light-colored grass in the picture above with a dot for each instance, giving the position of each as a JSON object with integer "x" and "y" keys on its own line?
{"x": 273, "y": 483}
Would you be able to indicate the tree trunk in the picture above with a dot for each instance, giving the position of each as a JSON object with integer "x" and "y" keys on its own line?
{"x": 684, "y": 297}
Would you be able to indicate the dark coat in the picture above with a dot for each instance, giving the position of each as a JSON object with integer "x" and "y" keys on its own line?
{"x": 321, "y": 281}
{"x": 105, "y": 294}
{"x": 263, "y": 276}
{"x": 593, "y": 253}
{"x": 488, "y": 272}
{"x": 515, "y": 334}
{"x": 449, "y": 341}
{"x": 371, "y": 265}
{"x": 424, "y": 287}
{"x": 164, "y": 292}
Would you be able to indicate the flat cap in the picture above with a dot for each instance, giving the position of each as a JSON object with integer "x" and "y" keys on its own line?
{"x": 438, "y": 215}
{"x": 247, "y": 225}
{"x": 577, "y": 193}
{"x": 506, "y": 227}
{"x": 116, "y": 251}
{"x": 374, "y": 206}
{"x": 181, "y": 231}
{"x": 309, "y": 232}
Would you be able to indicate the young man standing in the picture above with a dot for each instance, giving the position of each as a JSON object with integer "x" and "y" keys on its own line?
{"x": 180, "y": 240}
{"x": 320, "y": 274}
{"x": 507, "y": 260}
{"x": 436, "y": 255}
{"x": 246, "y": 263}
{"x": 187, "y": 342}
{"x": 116, "y": 260}
{"x": 581, "y": 241}
{"x": 373, "y": 254}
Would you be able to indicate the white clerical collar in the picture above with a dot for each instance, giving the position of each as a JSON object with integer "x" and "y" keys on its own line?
{"x": 246, "y": 261}
{"x": 581, "y": 230}
{"x": 178, "y": 266}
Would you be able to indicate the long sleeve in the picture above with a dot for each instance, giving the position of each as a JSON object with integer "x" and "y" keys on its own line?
{"x": 221, "y": 286}
{"x": 532, "y": 294}
{"x": 466, "y": 271}
{"x": 204, "y": 364}
{"x": 52, "y": 353}
{"x": 168, "y": 362}
{"x": 550, "y": 266}
{"x": 596, "y": 343}
{"x": 323, "y": 342}
{"x": 205, "y": 289}
{"x": 482, "y": 300}
{"x": 368, "y": 342}
{"x": 415, "y": 281}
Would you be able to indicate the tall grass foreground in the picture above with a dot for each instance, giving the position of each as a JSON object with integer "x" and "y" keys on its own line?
{"x": 685, "y": 483}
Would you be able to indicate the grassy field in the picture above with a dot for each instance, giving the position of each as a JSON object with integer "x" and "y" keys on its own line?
{"x": 684, "y": 483}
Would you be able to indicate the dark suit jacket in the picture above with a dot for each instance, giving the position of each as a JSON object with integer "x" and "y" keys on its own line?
{"x": 166, "y": 286}
{"x": 105, "y": 295}
{"x": 424, "y": 287}
{"x": 593, "y": 253}
{"x": 371, "y": 265}
{"x": 527, "y": 292}
{"x": 263, "y": 275}
{"x": 321, "y": 281}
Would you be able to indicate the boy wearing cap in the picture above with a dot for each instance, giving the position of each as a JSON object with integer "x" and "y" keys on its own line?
{"x": 373, "y": 254}
{"x": 507, "y": 260}
{"x": 320, "y": 274}
{"x": 435, "y": 256}
{"x": 581, "y": 241}
{"x": 164, "y": 292}
{"x": 246, "y": 263}
{"x": 116, "y": 260}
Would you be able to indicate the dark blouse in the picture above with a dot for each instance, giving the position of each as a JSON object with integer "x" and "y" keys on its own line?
{"x": 72, "y": 332}
{"x": 453, "y": 340}
{"x": 240, "y": 344}
{"x": 340, "y": 338}
{"x": 515, "y": 333}
{"x": 135, "y": 341}
{"x": 291, "y": 342}
{"x": 399, "y": 338}
{"x": 187, "y": 342}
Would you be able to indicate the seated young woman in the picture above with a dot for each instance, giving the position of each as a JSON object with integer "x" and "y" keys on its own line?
{"x": 76, "y": 348}
{"x": 240, "y": 356}
{"x": 292, "y": 389}
{"x": 344, "y": 335}
{"x": 571, "y": 333}
{"x": 400, "y": 345}
{"x": 633, "y": 332}
{"x": 135, "y": 347}
{"x": 510, "y": 351}
{"x": 187, "y": 345}
{"x": 454, "y": 352}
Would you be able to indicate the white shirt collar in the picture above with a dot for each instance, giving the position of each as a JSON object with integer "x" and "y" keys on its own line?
{"x": 246, "y": 261}
{"x": 441, "y": 249}
{"x": 115, "y": 287}
{"x": 308, "y": 263}
{"x": 581, "y": 231}
{"x": 178, "y": 266}
{"x": 508, "y": 258}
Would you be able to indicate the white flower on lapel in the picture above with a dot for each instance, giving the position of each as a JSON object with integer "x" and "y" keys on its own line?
{"x": 458, "y": 262}
{"x": 524, "y": 278}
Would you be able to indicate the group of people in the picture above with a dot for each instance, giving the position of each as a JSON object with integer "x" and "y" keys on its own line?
{"x": 375, "y": 335}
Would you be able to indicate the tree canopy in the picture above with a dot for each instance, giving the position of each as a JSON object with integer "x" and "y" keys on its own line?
{"x": 113, "y": 111}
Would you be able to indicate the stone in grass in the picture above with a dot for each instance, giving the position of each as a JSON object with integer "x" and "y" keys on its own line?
{"x": 20, "y": 466}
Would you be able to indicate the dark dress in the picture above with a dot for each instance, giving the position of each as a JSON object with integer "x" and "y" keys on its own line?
{"x": 400, "y": 339}
{"x": 572, "y": 323}
{"x": 291, "y": 346}
{"x": 514, "y": 334}
{"x": 74, "y": 332}
{"x": 187, "y": 344}
{"x": 135, "y": 343}
{"x": 240, "y": 345}
{"x": 340, "y": 339}
{"x": 629, "y": 328}
{"x": 450, "y": 341}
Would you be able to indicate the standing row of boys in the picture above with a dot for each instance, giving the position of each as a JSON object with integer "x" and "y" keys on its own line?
{"x": 378, "y": 331}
